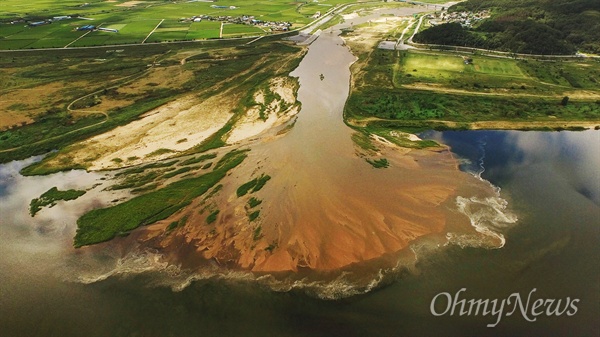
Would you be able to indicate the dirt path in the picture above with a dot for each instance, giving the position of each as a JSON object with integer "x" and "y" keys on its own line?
{"x": 587, "y": 95}
{"x": 485, "y": 125}
{"x": 155, "y": 28}
{"x": 69, "y": 108}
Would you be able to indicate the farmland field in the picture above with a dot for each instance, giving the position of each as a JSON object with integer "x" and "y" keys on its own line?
{"x": 240, "y": 30}
{"x": 445, "y": 68}
{"x": 415, "y": 87}
{"x": 135, "y": 20}
{"x": 203, "y": 30}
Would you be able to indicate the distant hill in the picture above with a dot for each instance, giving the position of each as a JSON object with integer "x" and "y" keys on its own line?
{"x": 524, "y": 26}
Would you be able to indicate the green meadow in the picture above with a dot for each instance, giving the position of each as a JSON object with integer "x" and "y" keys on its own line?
{"x": 484, "y": 72}
{"x": 452, "y": 68}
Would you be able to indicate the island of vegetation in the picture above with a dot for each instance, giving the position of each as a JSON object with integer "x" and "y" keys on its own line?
{"x": 50, "y": 197}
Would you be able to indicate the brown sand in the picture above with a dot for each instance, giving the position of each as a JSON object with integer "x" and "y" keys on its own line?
{"x": 325, "y": 223}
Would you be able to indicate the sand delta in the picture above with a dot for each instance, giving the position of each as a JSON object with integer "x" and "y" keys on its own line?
{"x": 324, "y": 209}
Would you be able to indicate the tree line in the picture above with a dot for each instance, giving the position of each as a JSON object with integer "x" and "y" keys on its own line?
{"x": 548, "y": 27}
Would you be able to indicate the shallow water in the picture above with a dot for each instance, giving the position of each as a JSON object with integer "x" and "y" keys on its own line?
{"x": 328, "y": 208}
{"x": 550, "y": 180}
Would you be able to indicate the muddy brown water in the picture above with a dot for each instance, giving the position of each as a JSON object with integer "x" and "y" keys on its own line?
{"x": 326, "y": 209}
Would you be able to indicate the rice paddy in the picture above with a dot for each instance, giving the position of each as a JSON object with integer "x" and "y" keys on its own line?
{"x": 60, "y": 22}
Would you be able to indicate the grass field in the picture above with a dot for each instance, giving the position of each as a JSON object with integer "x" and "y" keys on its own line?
{"x": 451, "y": 69}
{"x": 203, "y": 30}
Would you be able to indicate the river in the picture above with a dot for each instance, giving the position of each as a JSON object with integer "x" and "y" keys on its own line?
{"x": 550, "y": 180}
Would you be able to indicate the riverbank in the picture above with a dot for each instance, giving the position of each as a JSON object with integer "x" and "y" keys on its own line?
{"x": 208, "y": 93}
{"x": 419, "y": 125}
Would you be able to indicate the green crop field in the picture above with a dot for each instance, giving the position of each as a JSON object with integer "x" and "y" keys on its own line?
{"x": 134, "y": 20}
{"x": 203, "y": 30}
{"x": 492, "y": 72}
{"x": 39, "y": 8}
{"x": 438, "y": 66}
{"x": 241, "y": 30}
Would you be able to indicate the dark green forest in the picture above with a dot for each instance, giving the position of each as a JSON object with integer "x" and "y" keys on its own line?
{"x": 548, "y": 27}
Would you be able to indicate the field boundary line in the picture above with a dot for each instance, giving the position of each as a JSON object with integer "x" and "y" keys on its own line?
{"x": 77, "y": 39}
{"x": 155, "y": 28}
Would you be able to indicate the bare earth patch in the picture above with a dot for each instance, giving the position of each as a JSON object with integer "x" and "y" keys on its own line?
{"x": 17, "y": 106}
{"x": 251, "y": 125}
{"x": 161, "y": 128}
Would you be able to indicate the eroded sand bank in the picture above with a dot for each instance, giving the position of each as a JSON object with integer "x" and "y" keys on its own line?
{"x": 180, "y": 125}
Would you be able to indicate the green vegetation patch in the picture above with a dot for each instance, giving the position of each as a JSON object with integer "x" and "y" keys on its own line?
{"x": 364, "y": 141}
{"x": 141, "y": 169}
{"x": 101, "y": 225}
{"x": 177, "y": 172}
{"x": 229, "y": 158}
{"x": 378, "y": 163}
{"x": 253, "y": 185}
{"x": 159, "y": 152}
{"x": 271, "y": 247}
{"x": 136, "y": 180}
{"x": 257, "y": 234}
{"x": 50, "y": 197}
{"x": 241, "y": 30}
{"x": 199, "y": 159}
{"x": 212, "y": 217}
{"x": 470, "y": 72}
{"x": 143, "y": 189}
{"x": 214, "y": 191}
{"x": 176, "y": 224}
{"x": 253, "y": 202}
